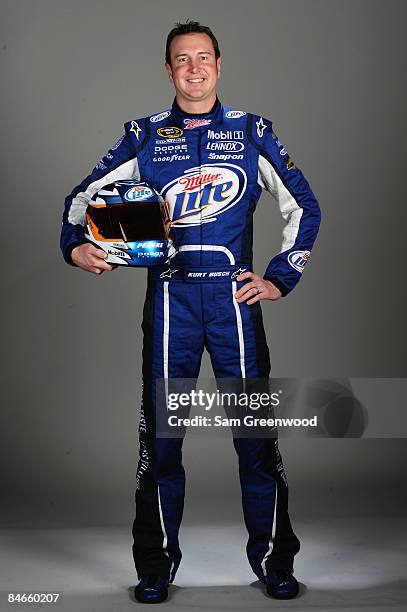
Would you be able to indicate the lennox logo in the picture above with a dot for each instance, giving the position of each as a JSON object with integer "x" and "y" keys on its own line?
{"x": 202, "y": 193}
{"x": 225, "y": 145}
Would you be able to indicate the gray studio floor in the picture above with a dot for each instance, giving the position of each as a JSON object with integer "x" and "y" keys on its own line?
{"x": 345, "y": 566}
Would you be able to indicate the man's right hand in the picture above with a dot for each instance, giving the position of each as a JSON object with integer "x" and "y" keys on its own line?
{"x": 90, "y": 258}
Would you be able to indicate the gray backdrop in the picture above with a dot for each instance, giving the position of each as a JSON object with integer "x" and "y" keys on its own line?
{"x": 331, "y": 76}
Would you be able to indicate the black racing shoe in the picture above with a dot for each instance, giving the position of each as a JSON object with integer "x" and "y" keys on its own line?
{"x": 151, "y": 589}
{"x": 281, "y": 584}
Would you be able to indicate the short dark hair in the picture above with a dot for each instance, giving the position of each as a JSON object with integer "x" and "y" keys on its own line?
{"x": 190, "y": 27}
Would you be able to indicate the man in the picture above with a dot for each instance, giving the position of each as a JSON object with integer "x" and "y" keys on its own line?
{"x": 210, "y": 163}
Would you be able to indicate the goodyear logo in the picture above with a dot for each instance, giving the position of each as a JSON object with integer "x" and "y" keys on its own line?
{"x": 170, "y": 132}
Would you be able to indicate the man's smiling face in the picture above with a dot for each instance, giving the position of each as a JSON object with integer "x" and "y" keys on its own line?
{"x": 194, "y": 70}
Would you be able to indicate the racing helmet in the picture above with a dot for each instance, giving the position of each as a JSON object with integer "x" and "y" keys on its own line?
{"x": 130, "y": 221}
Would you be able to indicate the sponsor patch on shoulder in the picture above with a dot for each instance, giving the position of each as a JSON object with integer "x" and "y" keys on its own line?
{"x": 135, "y": 128}
{"x": 160, "y": 116}
{"x": 118, "y": 143}
{"x": 235, "y": 114}
{"x": 260, "y": 127}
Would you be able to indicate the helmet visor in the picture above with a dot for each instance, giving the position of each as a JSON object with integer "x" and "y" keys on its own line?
{"x": 129, "y": 222}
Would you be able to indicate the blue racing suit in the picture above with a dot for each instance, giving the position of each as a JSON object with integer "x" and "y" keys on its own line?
{"x": 211, "y": 169}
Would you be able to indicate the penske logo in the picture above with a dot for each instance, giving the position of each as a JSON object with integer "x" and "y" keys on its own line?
{"x": 201, "y": 194}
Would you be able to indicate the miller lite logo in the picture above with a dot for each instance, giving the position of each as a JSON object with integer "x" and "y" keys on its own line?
{"x": 190, "y": 124}
{"x": 136, "y": 194}
{"x": 298, "y": 259}
{"x": 202, "y": 193}
{"x": 191, "y": 183}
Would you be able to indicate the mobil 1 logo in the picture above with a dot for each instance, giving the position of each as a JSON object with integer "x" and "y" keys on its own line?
{"x": 225, "y": 135}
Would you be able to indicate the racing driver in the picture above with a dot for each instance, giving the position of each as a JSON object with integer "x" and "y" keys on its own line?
{"x": 210, "y": 163}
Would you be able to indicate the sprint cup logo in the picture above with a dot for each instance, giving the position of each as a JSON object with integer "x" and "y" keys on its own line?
{"x": 202, "y": 193}
{"x": 170, "y": 132}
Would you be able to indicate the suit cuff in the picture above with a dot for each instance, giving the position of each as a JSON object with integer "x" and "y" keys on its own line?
{"x": 70, "y": 248}
{"x": 278, "y": 284}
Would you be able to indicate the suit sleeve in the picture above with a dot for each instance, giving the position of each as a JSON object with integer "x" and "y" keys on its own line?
{"x": 299, "y": 208}
{"x": 119, "y": 163}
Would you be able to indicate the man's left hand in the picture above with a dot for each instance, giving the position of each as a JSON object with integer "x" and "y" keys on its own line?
{"x": 258, "y": 289}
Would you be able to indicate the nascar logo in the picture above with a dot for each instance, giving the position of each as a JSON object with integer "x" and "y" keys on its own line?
{"x": 202, "y": 193}
{"x": 138, "y": 193}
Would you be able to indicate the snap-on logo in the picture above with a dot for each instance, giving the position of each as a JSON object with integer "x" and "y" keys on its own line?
{"x": 202, "y": 193}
